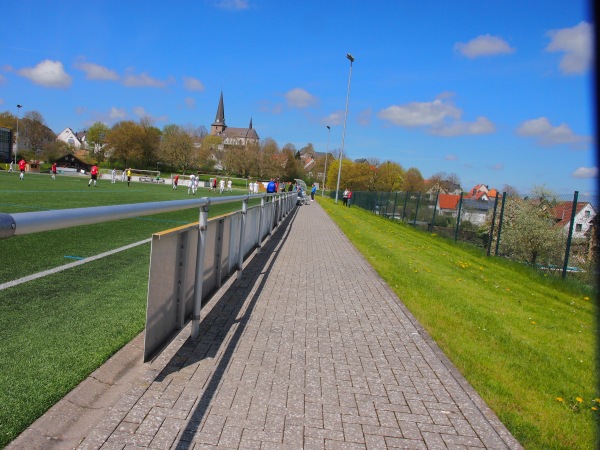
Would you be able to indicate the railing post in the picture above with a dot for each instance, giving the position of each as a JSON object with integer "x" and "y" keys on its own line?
{"x": 260, "y": 221}
{"x": 404, "y": 210}
{"x": 570, "y": 236}
{"x": 202, "y": 226}
{"x": 242, "y": 232}
{"x": 395, "y": 201}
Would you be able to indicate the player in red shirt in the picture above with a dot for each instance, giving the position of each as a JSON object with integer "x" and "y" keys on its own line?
{"x": 54, "y": 171}
{"x": 22, "y": 165}
{"x": 94, "y": 175}
{"x": 175, "y": 182}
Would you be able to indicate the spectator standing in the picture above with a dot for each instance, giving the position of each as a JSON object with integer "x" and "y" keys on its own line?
{"x": 345, "y": 198}
{"x": 93, "y": 175}
{"x": 113, "y": 176}
{"x": 312, "y": 192}
{"x": 22, "y": 165}
{"x": 54, "y": 171}
{"x": 349, "y": 197}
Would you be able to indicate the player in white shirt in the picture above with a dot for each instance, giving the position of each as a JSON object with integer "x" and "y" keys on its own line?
{"x": 191, "y": 184}
{"x": 221, "y": 186}
{"x": 229, "y": 185}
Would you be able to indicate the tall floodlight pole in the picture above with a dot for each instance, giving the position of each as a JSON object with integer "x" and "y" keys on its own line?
{"x": 325, "y": 172}
{"x": 337, "y": 188}
{"x": 17, "y": 139}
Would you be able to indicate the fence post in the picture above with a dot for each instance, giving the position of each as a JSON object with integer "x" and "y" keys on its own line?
{"x": 437, "y": 196}
{"x": 570, "y": 236}
{"x": 491, "y": 236}
{"x": 202, "y": 226}
{"x": 242, "y": 232}
{"x": 458, "y": 217}
{"x": 500, "y": 222}
{"x": 387, "y": 203}
{"x": 395, "y": 200}
{"x": 404, "y": 209}
{"x": 417, "y": 209}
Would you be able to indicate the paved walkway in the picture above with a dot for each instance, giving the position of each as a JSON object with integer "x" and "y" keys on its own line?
{"x": 310, "y": 349}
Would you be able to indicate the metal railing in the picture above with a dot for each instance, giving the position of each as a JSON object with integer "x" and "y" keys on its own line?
{"x": 182, "y": 272}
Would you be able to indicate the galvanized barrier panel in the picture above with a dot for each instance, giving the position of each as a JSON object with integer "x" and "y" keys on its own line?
{"x": 172, "y": 268}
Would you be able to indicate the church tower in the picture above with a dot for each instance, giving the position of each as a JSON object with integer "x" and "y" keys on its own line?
{"x": 218, "y": 127}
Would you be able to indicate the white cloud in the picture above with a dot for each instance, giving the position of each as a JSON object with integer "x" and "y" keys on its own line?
{"x": 193, "y": 84}
{"x": 299, "y": 98}
{"x": 484, "y": 45}
{"x": 335, "y": 118}
{"x": 577, "y": 44}
{"x": 482, "y": 125}
{"x": 117, "y": 113}
{"x": 96, "y": 72}
{"x": 451, "y": 158}
{"x": 548, "y": 135}
{"x": 144, "y": 80}
{"x": 2, "y": 79}
{"x": 234, "y": 5}
{"x": 190, "y": 102}
{"x": 141, "y": 112}
{"x": 418, "y": 114}
{"x": 585, "y": 172}
{"x": 498, "y": 166}
{"x": 48, "y": 74}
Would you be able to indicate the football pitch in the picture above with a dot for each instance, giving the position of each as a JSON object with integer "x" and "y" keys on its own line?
{"x": 57, "y": 329}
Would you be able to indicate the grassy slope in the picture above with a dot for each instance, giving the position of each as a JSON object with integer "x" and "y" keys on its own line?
{"x": 520, "y": 339}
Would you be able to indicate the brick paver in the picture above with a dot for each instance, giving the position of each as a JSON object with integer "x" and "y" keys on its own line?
{"x": 309, "y": 349}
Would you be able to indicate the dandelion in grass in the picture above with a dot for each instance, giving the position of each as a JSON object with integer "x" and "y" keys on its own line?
{"x": 559, "y": 399}
{"x": 533, "y": 322}
{"x": 586, "y": 298}
{"x": 597, "y": 400}
{"x": 579, "y": 399}
{"x": 594, "y": 408}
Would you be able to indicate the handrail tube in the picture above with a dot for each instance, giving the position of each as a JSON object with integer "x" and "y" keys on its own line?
{"x": 33, "y": 222}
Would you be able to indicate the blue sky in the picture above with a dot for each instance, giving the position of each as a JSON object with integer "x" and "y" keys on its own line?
{"x": 498, "y": 92}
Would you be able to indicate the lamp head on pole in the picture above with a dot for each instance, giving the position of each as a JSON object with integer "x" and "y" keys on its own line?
{"x": 328, "y": 127}
{"x": 350, "y": 57}
{"x": 19, "y": 106}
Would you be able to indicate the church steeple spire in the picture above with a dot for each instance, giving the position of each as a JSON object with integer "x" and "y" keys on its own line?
{"x": 219, "y": 124}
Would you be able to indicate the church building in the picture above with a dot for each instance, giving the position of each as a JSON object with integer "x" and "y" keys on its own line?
{"x": 232, "y": 136}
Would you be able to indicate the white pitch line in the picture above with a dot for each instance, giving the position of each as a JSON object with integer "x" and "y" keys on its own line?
{"x": 35, "y": 276}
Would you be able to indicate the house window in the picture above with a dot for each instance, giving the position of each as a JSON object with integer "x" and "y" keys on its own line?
{"x": 587, "y": 213}
{"x": 578, "y": 227}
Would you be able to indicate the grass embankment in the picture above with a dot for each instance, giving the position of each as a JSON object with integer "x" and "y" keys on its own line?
{"x": 58, "y": 329}
{"x": 525, "y": 342}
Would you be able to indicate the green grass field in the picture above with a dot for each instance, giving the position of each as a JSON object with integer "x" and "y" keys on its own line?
{"x": 525, "y": 342}
{"x": 58, "y": 329}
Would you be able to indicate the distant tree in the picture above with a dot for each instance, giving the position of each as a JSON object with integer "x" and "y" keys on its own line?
{"x": 7, "y": 120}
{"x": 511, "y": 191}
{"x": 96, "y": 135}
{"x": 150, "y": 141}
{"x": 54, "y": 150}
{"x": 390, "y": 177}
{"x": 33, "y": 131}
{"x": 177, "y": 148}
{"x": 360, "y": 176}
{"x": 529, "y": 234}
{"x": 413, "y": 181}
{"x": 125, "y": 140}
{"x": 453, "y": 178}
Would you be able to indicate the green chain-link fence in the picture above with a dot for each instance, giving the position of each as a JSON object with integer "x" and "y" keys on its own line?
{"x": 558, "y": 235}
